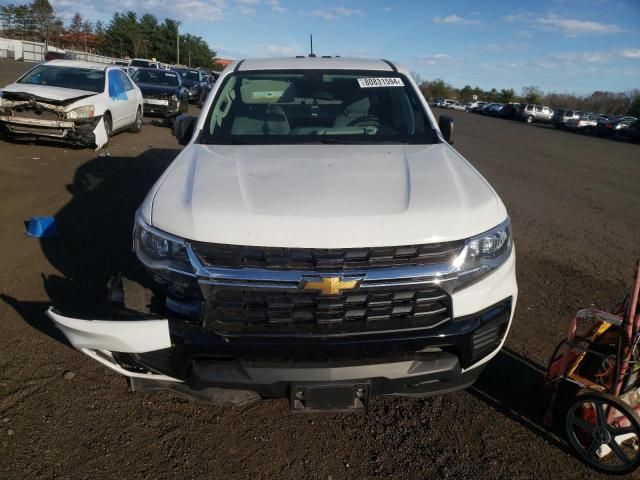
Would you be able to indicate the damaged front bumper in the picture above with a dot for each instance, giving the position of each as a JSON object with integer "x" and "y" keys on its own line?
{"x": 173, "y": 355}
{"x": 43, "y": 119}
{"x": 80, "y": 133}
{"x": 206, "y": 354}
{"x": 98, "y": 339}
{"x": 162, "y": 107}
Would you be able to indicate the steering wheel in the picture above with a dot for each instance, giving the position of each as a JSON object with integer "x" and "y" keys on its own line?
{"x": 367, "y": 120}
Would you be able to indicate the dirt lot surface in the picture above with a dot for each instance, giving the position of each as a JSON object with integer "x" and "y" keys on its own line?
{"x": 575, "y": 206}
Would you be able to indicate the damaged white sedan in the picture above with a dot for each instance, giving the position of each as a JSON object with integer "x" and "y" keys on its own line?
{"x": 76, "y": 102}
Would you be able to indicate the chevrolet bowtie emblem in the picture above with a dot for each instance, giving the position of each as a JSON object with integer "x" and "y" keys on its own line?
{"x": 330, "y": 285}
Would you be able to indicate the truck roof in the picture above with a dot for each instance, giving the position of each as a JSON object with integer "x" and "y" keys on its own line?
{"x": 304, "y": 63}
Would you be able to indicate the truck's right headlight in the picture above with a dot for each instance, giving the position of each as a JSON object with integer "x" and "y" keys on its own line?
{"x": 159, "y": 250}
{"x": 483, "y": 253}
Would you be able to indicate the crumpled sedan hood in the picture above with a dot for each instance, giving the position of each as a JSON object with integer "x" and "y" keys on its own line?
{"x": 57, "y": 94}
{"x": 322, "y": 196}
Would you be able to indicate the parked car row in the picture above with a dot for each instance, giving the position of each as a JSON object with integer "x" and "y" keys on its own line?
{"x": 84, "y": 103}
{"x": 197, "y": 81}
{"x": 573, "y": 120}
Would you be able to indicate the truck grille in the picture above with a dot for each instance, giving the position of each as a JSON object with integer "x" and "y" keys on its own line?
{"x": 334, "y": 260}
{"x": 301, "y": 313}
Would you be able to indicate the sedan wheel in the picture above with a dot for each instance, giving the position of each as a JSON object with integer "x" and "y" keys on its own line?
{"x": 137, "y": 125}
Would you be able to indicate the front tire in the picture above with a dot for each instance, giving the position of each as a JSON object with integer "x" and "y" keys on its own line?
{"x": 137, "y": 124}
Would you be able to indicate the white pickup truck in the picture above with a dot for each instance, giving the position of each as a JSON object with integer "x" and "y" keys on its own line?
{"x": 317, "y": 239}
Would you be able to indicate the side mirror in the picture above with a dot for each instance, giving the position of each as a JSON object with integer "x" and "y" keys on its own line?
{"x": 446, "y": 127}
{"x": 183, "y": 128}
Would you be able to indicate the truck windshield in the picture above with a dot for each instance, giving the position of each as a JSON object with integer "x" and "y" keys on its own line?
{"x": 66, "y": 77}
{"x": 309, "y": 106}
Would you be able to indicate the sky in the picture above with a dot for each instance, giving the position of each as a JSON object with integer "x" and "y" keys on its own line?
{"x": 570, "y": 46}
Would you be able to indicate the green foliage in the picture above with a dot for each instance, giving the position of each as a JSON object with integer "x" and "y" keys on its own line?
{"x": 507, "y": 95}
{"x": 634, "y": 109}
{"x": 436, "y": 89}
{"x": 126, "y": 35}
{"x": 466, "y": 93}
{"x": 532, "y": 94}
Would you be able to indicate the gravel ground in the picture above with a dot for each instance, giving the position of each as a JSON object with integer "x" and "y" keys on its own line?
{"x": 574, "y": 203}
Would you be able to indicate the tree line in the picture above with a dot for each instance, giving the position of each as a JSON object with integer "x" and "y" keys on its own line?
{"x": 617, "y": 103}
{"x": 125, "y": 36}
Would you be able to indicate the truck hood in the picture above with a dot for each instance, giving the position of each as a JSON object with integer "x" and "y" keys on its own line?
{"x": 45, "y": 92}
{"x": 322, "y": 196}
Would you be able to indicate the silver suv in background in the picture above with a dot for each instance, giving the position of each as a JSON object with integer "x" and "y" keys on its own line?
{"x": 584, "y": 123}
{"x": 561, "y": 117}
{"x": 535, "y": 113}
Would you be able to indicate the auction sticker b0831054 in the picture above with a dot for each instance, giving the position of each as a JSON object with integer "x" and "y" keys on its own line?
{"x": 380, "y": 82}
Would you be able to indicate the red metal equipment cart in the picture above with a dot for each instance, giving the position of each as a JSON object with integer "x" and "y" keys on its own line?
{"x": 594, "y": 376}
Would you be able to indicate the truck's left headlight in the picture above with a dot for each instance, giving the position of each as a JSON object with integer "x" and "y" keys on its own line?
{"x": 159, "y": 250}
{"x": 483, "y": 253}
{"x": 86, "y": 111}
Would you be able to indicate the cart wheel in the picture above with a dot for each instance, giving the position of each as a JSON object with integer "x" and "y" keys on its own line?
{"x": 610, "y": 446}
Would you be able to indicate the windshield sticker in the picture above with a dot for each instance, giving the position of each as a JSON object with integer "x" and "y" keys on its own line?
{"x": 380, "y": 82}
{"x": 267, "y": 94}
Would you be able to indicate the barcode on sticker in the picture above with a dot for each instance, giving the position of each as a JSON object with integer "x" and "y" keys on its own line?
{"x": 380, "y": 82}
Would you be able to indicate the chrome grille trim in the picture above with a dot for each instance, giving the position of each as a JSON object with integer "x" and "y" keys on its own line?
{"x": 443, "y": 275}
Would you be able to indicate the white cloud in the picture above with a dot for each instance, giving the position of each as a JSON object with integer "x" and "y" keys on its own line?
{"x": 502, "y": 47}
{"x": 243, "y": 9}
{"x": 435, "y": 59}
{"x": 275, "y": 5}
{"x": 631, "y": 53}
{"x": 336, "y": 13}
{"x": 572, "y": 27}
{"x": 279, "y": 50}
{"x": 248, "y": 2}
{"x": 517, "y": 16}
{"x": 585, "y": 60}
{"x": 208, "y": 10}
{"x": 581, "y": 57}
{"x": 454, "y": 19}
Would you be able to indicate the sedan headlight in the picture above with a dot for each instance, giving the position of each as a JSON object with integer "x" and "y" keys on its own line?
{"x": 483, "y": 253}
{"x": 87, "y": 111}
{"x": 158, "y": 250}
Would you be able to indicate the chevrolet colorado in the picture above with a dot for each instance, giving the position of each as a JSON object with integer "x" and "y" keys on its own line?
{"x": 318, "y": 239}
